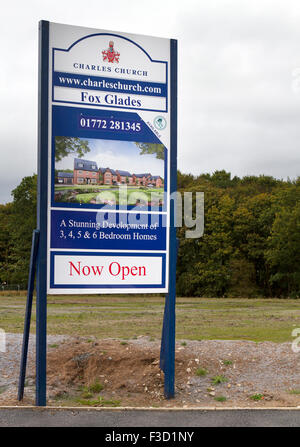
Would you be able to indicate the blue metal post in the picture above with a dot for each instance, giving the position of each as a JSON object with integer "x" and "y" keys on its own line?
{"x": 162, "y": 362}
{"x": 168, "y": 333}
{"x": 32, "y": 268}
{"x": 41, "y": 293}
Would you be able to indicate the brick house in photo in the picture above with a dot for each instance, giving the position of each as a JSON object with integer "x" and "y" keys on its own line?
{"x": 141, "y": 179}
{"x": 156, "y": 181}
{"x": 125, "y": 177}
{"x": 85, "y": 172}
{"x": 148, "y": 179}
{"x": 65, "y": 178}
{"x": 107, "y": 176}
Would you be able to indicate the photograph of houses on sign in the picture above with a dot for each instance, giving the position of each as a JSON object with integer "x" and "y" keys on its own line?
{"x": 93, "y": 171}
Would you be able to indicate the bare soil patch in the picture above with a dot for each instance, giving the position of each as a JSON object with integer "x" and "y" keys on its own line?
{"x": 115, "y": 372}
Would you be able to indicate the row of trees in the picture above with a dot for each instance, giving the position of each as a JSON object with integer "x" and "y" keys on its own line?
{"x": 17, "y": 221}
{"x": 251, "y": 242}
{"x": 250, "y": 247}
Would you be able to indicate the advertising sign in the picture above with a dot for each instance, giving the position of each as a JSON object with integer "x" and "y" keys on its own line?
{"x": 110, "y": 161}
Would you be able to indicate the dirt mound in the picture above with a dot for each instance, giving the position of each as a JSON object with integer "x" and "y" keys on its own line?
{"x": 117, "y": 364}
{"x": 123, "y": 368}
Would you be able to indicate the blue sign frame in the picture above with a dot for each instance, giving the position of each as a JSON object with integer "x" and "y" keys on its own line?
{"x": 168, "y": 338}
{"x": 42, "y": 208}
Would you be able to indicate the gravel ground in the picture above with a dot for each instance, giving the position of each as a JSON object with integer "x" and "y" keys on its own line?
{"x": 10, "y": 365}
{"x": 266, "y": 368}
{"x": 131, "y": 371}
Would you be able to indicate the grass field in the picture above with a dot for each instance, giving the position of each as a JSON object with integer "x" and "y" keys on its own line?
{"x": 102, "y": 193}
{"x": 131, "y": 316}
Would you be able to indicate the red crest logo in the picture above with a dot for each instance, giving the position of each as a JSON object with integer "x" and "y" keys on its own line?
{"x": 110, "y": 55}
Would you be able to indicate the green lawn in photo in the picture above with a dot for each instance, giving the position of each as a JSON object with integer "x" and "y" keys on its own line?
{"x": 130, "y": 316}
{"x": 109, "y": 194}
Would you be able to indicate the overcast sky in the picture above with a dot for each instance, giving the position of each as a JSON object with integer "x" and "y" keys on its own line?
{"x": 239, "y": 79}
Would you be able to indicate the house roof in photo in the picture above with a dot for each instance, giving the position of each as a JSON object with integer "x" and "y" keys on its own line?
{"x": 86, "y": 165}
{"x": 143, "y": 175}
{"x": 65, "y": 174}
{"x": 107, "y": 169}
{"x": 126, "y": 173}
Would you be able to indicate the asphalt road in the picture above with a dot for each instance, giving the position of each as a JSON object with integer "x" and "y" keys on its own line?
{"x": 132, "y": 417}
